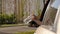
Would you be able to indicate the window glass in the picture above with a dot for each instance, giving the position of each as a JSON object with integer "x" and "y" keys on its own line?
{"x": 56, "y": 3}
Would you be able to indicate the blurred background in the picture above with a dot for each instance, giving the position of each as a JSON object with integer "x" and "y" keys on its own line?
{"x": 15, "y": 11}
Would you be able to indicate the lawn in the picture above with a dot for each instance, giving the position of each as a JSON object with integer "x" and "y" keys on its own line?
{"x": 27, "y": 32}
{"x": 11, "y": 25}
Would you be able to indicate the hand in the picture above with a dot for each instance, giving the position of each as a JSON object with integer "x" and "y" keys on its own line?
{"x": 33, "y": 17}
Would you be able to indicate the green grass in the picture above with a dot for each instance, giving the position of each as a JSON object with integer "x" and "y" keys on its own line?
{"x": 11, "y": 25}
{"x": 27, "y": 32}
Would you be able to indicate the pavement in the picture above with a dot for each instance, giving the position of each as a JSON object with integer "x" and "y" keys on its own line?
{"x": 12, "y": 30}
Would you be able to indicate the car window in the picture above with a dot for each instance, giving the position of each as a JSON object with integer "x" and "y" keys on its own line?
{"x": 56, "y": 3}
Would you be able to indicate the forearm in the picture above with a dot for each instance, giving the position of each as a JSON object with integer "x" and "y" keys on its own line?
{"x": 38, "y": 22}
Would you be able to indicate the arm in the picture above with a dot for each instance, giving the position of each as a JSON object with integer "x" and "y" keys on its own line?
{"x": 34, "y": 18}
{"x": 38, "y": 22}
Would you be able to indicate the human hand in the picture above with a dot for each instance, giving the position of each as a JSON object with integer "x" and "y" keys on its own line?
{"x": 33, "y": 17}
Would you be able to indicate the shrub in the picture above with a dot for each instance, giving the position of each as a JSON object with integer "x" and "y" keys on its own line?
{"x": 7, "y": 19}
{"x": 2, "y": 18}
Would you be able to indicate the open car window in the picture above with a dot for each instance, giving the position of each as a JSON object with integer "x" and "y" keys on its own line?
{"x": 50, "y": 14}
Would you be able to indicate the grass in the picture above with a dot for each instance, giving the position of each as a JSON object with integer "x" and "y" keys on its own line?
{"x": 27, "y": 32}
{"x": 11, "y": 25}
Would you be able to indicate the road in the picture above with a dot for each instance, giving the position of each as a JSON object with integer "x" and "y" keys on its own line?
{"x": 11, "y": 30}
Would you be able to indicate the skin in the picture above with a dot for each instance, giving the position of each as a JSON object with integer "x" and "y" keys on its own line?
{"x": 36, "y": 20}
